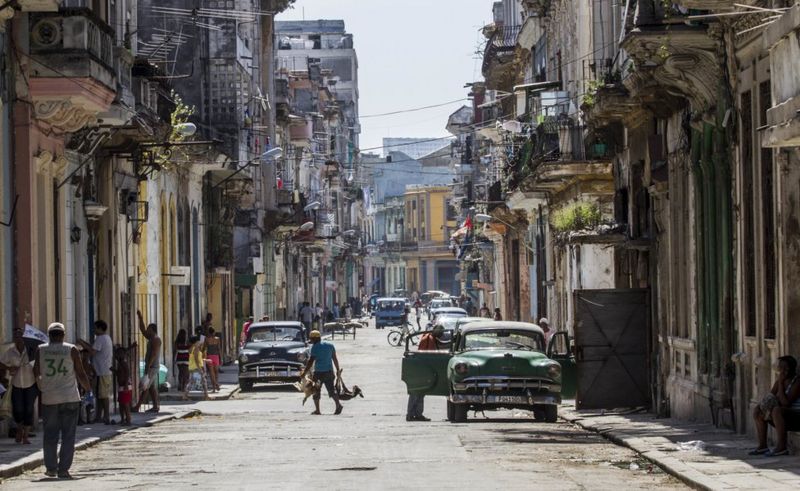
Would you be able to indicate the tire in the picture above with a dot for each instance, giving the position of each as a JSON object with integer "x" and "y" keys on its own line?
{"x": 460, "y": 413}
{"x": 246, "y": 386}
{"x": 451, "y": 411}
{"x": 395, "y": 338}
{"x": 551, "y": 413}
{"x": 538, "y": 413}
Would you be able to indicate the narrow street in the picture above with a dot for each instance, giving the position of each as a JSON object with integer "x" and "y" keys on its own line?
{"x": 267, "y": 436}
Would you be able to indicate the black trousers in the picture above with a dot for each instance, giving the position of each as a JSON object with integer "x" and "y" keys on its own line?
{"x": 23, "y": 404}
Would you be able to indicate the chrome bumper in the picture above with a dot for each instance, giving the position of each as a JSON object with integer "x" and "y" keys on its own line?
{"x": 266, "y": 370}
{"x": 499, "y": 400}
{"x": 506, "y": 383}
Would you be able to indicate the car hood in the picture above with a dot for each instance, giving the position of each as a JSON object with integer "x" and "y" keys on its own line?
{"x": 502, "y": 362}
{"x": 273, "y": 345}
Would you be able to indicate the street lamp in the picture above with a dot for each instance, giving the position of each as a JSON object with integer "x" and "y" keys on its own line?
{"x": 483, "y": 217}
{"x": 272, "y": 154}
{"x": 306, "y": 227}
{"x": 315, "y": 205}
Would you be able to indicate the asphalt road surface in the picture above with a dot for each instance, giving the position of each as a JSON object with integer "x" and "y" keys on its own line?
{"x": 268, "y": 440}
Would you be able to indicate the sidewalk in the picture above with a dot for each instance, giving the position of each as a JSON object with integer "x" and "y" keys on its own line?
{"x": 16, "y": 459}
{"x": 700, "y": 455}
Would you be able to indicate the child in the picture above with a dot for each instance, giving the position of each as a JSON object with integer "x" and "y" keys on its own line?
{"x": 196, "y": 368}
{"x": 87, "y": 398}
{"x": 124, "y": 390}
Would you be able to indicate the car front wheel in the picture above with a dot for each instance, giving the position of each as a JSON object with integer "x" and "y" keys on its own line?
{"x": 451, "y": 411}
{"x": 460, "y": 413}
{"x": 551, "y": 413}
{"x": 246, "y": 386}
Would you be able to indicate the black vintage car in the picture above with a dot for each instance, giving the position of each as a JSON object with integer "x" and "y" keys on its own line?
{"x": 274, "y": 352}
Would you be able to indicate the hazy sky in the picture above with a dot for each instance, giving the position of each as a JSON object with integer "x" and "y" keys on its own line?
{"x": 411, "y": 53}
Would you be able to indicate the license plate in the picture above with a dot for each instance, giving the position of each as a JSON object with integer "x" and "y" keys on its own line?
{"x": 276, "y": 374}
{"x": 508, "y": 399}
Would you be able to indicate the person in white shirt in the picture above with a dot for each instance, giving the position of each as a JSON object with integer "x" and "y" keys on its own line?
{"x": 18, "y": 361}
{"x": 102, "y": 351}
{"x": 58, "y": 371}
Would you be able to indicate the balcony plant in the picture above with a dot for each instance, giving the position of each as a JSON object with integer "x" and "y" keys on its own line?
{"x": 575, "y": 217}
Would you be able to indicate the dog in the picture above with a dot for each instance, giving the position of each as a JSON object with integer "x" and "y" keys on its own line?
{"x": 343, "y": 392}
{"x": 308, "y": 387}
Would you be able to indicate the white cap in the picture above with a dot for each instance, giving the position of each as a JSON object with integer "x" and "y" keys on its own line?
{"x": 56, "y": 326}
{"x": 544, "y": 320}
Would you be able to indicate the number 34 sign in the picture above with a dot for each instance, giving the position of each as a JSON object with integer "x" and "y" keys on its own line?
{"x": 54, "y": 367}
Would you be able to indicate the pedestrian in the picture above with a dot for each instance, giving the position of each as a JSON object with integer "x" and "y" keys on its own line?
{"x": 416, "y": 402}
{"x": 548, "y": 333}
{"x": 149, "y": 383}
{"x": 58, "y": 370}
{"x": 485, "y": 312}
{"x": 418, "y": 312}
{"x": 124, "y": 388}
{"x": 779, "y": 408}
{"x": 497, "y": 315}
{"x": 469, "y": 307}
{"x": 87, "y": 396}
{"x": 323, "y": 357}
{"x": 307, "y": 316}
{"x": 212, "y": 350}
{"x": 245, "y": 330}
{"x": 318, "y": 316}
{"x": 197, "y": 370}
{"x": 18, "y": 360}
{"x": 335, "y": 311}
{"x": 182, "y": 357}
{"x": 102, "y": 353}
{"x": 348, "y": 311}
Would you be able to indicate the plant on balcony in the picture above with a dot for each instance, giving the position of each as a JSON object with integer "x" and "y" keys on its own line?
{"x": 576, "y": 217}
{"x": 590, "y": 97}
{"x": 166, "y": 157}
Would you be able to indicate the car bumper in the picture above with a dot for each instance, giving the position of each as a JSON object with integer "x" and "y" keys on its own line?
{"x": 270, "y": 372}
{"x": 500, "y": 400}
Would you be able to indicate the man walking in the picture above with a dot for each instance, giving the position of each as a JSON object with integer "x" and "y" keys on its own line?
{"x": 416, "y": 402}
{"x": 323, "y": 357}
{"x": 149, "y": 383}
{"x": 58, "y": 371}
{"x": 102, "y": 352}
{"x": 307, "y": 316}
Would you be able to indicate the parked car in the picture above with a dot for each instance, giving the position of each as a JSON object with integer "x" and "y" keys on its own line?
{"x": 389, "y": 312}
{"x": 430, "y": 295}
{"x": 436, "y": 314}
{"x": 439, "y": 303}
{"x": 490, "y": 365}
{"x": 273, "y": 352}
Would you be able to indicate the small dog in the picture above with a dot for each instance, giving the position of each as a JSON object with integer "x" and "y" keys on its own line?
{"x": 308, "y": 387}
{"x": 343, "y": 392}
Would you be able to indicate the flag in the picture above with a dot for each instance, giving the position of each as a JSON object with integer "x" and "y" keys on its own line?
{"x": 33, "y": 333}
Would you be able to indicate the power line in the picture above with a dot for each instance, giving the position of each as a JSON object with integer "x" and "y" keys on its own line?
{"x": 413, "y": 109}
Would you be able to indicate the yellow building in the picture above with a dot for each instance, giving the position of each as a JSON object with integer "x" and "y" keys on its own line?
{"x": 429, "y": 219}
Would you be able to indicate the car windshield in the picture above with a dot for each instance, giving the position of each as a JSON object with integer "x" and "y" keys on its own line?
{"x": 274, "y": 333}
{"x": 391, "y": 305}
{"x": 448, "y": 322}
{"x": 440, "y": 303}
{"x": 503, "y": 339}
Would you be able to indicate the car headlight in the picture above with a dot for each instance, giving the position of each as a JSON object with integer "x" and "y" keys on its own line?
{"x": 243, "y": 358}
{"x": 302, "y": 357}
{"x": 461, "y": 368}
{"x": 554, "y": 370}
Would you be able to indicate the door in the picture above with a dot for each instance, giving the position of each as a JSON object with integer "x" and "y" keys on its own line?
{"x": 425, "y": 372}
{"x": 560, "y": 350}
{"x": 611, "y": 346}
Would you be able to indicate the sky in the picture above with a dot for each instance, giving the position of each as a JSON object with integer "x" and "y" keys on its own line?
{"x": 411, "y": 53}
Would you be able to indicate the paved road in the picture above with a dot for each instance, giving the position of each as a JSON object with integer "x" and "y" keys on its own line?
{"x": 266, "y": 439}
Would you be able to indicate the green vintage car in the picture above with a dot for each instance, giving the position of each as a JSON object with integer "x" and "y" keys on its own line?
{"x": 490, "y": 365}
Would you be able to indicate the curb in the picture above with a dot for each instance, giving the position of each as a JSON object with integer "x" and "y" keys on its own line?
{"x": 215, "y": 397}
{"x": 33, "y": 461}
{"x": 667, "y": 463}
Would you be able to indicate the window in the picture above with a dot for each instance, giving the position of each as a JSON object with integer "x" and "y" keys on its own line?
{"x": 748, "y": 236}
{"x": 768, "y": 216}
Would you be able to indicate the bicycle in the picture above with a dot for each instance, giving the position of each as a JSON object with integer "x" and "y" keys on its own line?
{"x": 398, "y": 338}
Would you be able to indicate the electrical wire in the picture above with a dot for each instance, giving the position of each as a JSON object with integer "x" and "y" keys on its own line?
{"x": 422, "y": 108}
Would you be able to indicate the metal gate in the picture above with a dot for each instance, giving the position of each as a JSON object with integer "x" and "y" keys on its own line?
{"x": 611, "y": 348}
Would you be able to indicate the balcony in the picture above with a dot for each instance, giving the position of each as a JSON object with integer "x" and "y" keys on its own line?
{"x": 71, "y": 44}
{"x": 7, "y": 13}
{"x": 499, "y": 56}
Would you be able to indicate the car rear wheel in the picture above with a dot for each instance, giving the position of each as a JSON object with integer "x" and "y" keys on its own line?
{"x": 551, "y": 413}
{"x": 246, "y": 386}
{"x": 451, "y": 411}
